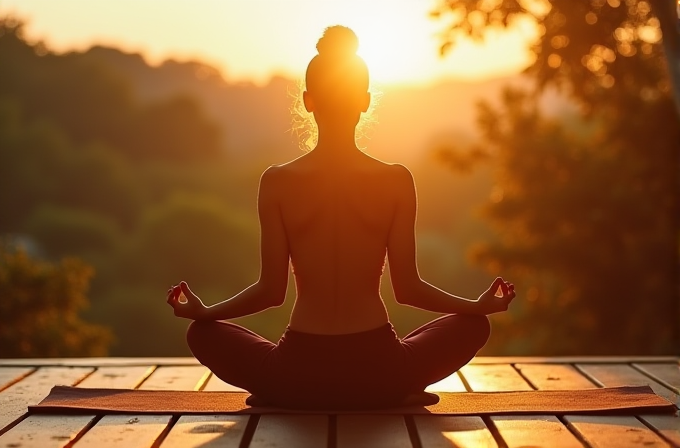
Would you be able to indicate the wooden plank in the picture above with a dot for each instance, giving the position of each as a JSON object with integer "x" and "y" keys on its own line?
{"x": 451, "y": 383}
{"x": 114, "y": 431}
{"x": 282, "y": 431}
{"x": 206, "y": 431}
{"x": 618, "y": 431}
{"x": 15, "y": 399}
{"x": 667, "y": 425}
{"x": 8, "y": 375}
{"x": 534, "y": 431}
{"x": 190, "y": 361}
{"x": 667, "y": 374}
{"x": 613, "y": 375}
{"x": 216, "y": 384}
{"x": 45, "y": 431}
{"x": 177, "y": 378}
{"x": 372, "y": 431}
{"x": 112, "y": 377}
{"x": 100, "y": 362}
{"x": 546, "y": 430}
{"x": 439, "y": 431}
{"x": 144, "y": 429}
{"x": 554, "y": 376}
{"x": 493, "y": 377}
{"x": 571, "y": 359}
{"x": 117, "y": 377}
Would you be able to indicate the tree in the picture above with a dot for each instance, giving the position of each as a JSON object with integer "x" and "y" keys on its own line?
{"x": 40, "y": 307}
{"x": 585, "y": 204}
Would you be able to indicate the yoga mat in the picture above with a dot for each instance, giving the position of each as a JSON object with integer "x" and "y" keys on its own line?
{"x": 615, "y": 400}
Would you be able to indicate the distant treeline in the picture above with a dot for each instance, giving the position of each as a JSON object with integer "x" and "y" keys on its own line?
{"x": 142, "y": 190}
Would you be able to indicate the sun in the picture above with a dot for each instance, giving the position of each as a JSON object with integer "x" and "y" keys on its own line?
{"x": 391, "y": 41}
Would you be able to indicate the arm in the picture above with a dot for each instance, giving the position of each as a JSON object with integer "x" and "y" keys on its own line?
{"x": 270, "y": 289}
{"x": 409, "y": 288}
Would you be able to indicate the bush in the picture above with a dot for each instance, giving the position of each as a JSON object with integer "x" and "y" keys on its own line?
{"x": 40, "y": 306}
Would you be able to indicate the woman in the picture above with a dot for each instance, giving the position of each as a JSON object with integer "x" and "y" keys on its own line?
{"x": 335, "y": 214}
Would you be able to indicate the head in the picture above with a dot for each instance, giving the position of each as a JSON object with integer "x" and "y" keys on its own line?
{"x": 337, "y": 79}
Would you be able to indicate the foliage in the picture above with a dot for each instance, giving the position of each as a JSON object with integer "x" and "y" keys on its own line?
{"x": 39, "y": 313}
{"x": 195, "y": 239}
{"x": 585, "y": 204}
{"x": 62, "y": 230}
{"x": 92, "y": 104}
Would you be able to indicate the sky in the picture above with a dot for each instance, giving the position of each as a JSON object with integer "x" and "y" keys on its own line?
{"x": 251, "y": 40}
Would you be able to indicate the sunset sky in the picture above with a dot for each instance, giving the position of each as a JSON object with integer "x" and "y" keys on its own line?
{"x": 249, "y": 40}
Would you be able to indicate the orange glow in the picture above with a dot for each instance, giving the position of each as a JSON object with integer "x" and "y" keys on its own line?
{"x": 253, "y": 40}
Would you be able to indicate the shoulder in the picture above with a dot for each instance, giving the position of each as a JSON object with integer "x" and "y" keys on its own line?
{"x": 395, "y": 171}
{"x": 275, "y": 174}
{"x": 401, "y": 176}
{"x": 271, "y": 182}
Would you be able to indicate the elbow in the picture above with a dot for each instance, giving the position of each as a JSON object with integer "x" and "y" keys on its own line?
{"x": 406, "y": 292}
{"x": 273, "y": 295}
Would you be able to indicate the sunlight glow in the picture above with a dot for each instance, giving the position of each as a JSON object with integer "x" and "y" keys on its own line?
{"x": 256, "y": 39}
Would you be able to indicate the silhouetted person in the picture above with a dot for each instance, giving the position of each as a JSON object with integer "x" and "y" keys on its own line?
{"x": 335, "y": 214}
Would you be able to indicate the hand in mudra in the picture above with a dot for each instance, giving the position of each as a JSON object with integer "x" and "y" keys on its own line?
{"x": 185, "y": 303}
{"x": 497, "y": 298}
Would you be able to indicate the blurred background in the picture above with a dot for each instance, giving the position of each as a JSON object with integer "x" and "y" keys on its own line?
{"x": 543, "y": 137}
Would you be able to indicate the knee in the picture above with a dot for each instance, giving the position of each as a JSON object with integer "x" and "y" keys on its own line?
{"x": 480, "y": 328}
{"x": 198, "y": 335}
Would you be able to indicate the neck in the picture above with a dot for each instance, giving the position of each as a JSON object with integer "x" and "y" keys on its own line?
{"x": 336, "y": 138}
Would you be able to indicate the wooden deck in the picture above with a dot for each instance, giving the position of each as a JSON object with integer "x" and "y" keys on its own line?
{"x": 24, "y": 382}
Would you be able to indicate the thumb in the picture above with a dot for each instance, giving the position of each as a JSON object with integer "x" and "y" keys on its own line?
{"x": 185, "y": 289}
{"x": 496, "y": 285}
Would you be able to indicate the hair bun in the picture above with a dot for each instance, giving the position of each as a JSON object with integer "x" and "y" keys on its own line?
{"x": 337, "y": 41}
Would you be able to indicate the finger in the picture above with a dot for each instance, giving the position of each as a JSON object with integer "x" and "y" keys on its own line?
{"x": 496, "y": 287}
{"x": 185, "y": 289}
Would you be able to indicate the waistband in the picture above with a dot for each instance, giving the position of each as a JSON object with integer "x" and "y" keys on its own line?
{"x": 381, "y": 334}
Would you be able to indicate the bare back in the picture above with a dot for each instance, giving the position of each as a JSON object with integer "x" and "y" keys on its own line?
{"x": 337, "y": 218}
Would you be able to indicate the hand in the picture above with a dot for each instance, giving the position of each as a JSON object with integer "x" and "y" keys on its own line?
{"x": 185, "y": 303}
{"x": 497, "y": 298}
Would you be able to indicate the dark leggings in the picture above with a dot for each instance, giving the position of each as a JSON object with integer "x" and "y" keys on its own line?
{"x": 357, "y": 370}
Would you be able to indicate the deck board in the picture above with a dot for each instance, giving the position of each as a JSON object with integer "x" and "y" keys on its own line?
{"x": 190, "y": 361}
{"x": 176, "y": 378}
{"x": 451, "y": 383}
{"x": 206, "y": 431}
{"x": 26, "y": 383}
{"x": 282, "y": 431}
{"x": 534, "y": 431}
{"x": 45, "y": 431}
{"x": 51, "y": 427}
{"x": 443, "y": 431}
{"x": 216, "y": 384}
{"x": 372, "y": 431}
{"x": 10, "y": 375}
{"x": 494, "y": 377}
{"x": 625, "y": 375}
{"x": 615, "y": 431}
{"x": 115, "y": 431}
{"x": 666, "y": 374}
{"x": 111, "y": 377}
{"x": 666, "y": 425}
{"x": 14, "y": 400}
{"x": 554, "y": 376}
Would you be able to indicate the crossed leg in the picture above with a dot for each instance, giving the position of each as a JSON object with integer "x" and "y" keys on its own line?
{"x": 233, "y": 353}
{"x": 442, "y": 346}
{"x": 432, "y": 352}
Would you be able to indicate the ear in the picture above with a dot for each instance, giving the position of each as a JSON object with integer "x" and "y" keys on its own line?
{"x": 308, "y": 101}
{"x": 365, "y": 101}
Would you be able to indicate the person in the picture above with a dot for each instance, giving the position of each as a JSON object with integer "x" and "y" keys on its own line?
{"x": 335, "y": 214}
